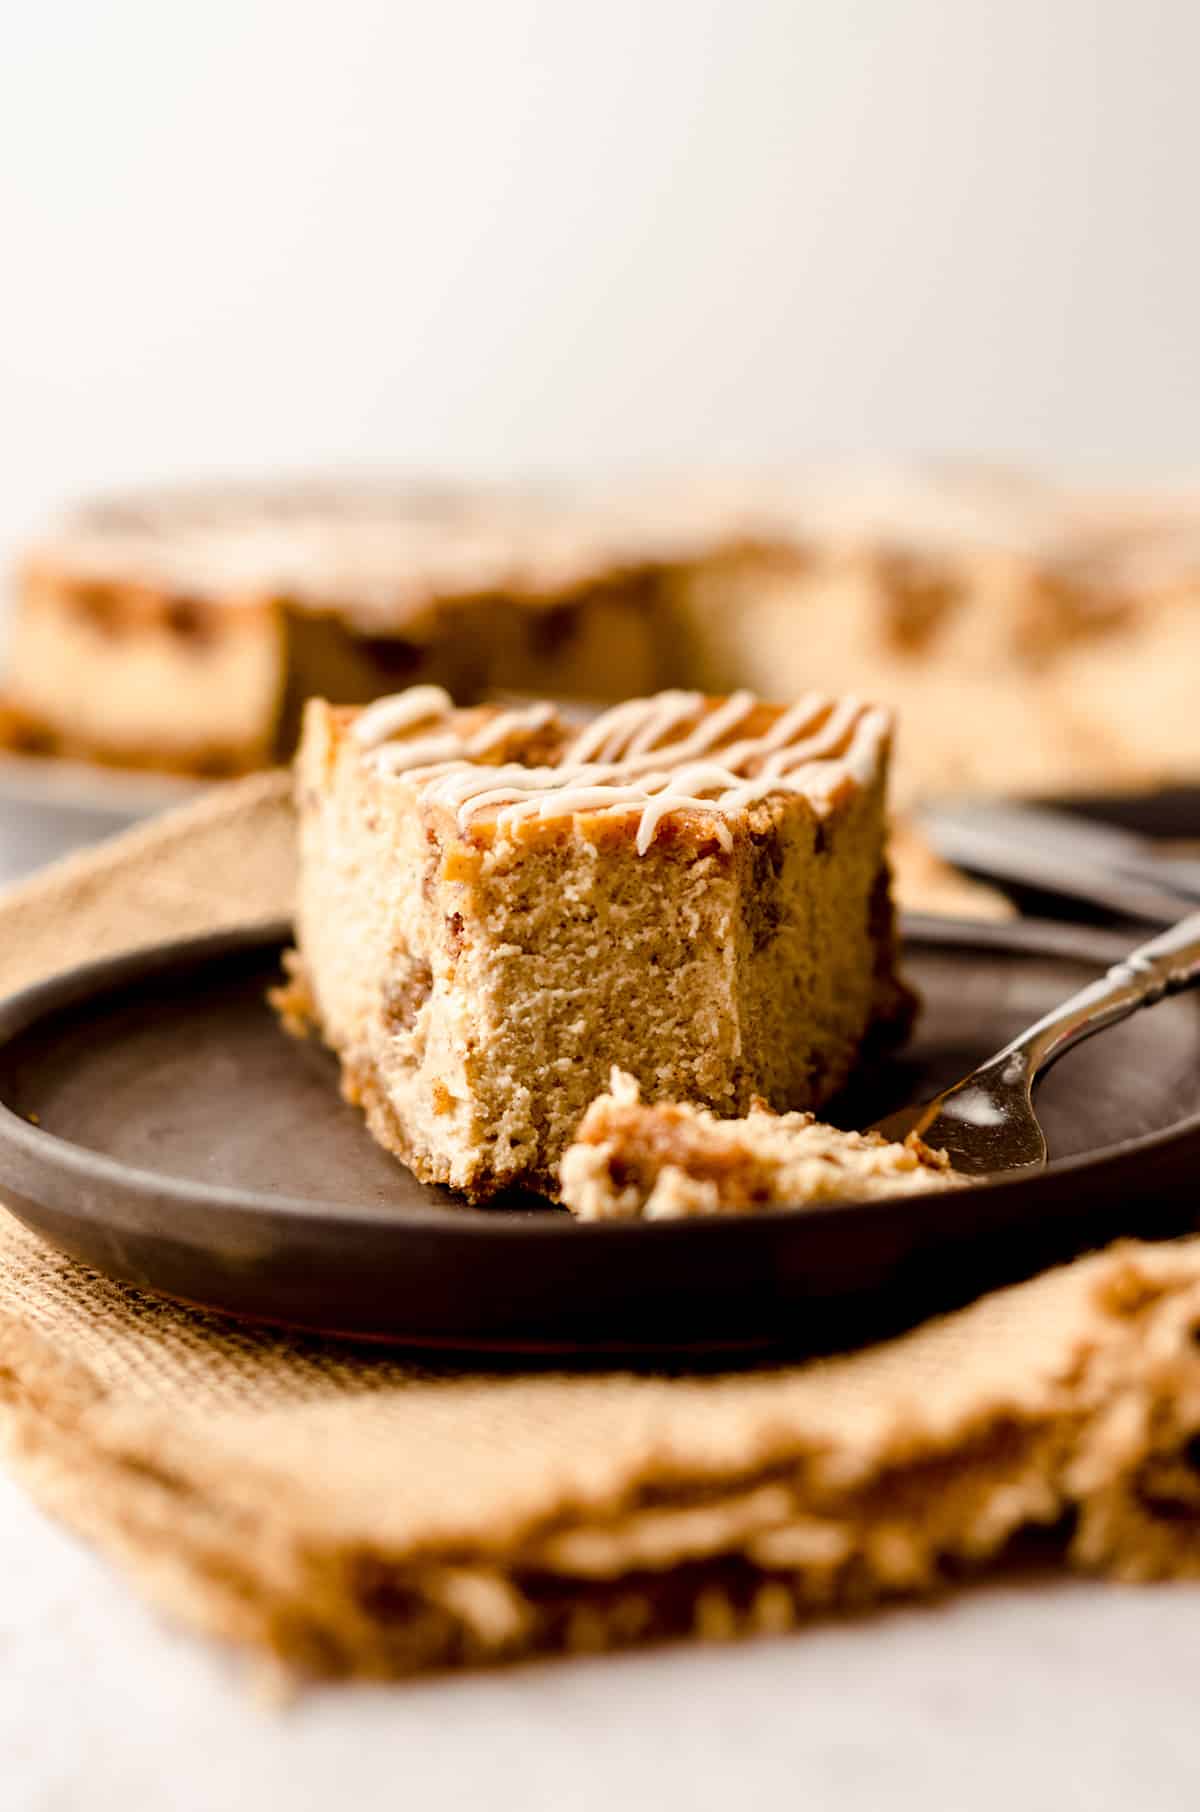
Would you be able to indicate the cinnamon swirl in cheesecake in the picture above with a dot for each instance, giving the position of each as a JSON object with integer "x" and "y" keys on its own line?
{"x": 496, "y": 908}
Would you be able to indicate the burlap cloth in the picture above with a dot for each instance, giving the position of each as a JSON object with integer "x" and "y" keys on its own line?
{"x": 348, "y": 1512}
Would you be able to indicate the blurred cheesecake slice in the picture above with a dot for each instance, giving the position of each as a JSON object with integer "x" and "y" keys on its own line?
{"x": 1029, "y": 638}
{"x": 184, "y": 630}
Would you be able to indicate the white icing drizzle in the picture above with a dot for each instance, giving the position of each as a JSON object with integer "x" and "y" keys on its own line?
{"x": 674, "y": 708}
{"x": 388, "y": 717}
{"x": 820, "y": 777}
{"x": 460, "y": 783}
{"x": 621, "y": 763}
{"x": 429, "y": 751}
{"x": 628, "y": 729}
{"x": 823, "y": 742}
{"x": 509, "y": 723}
{"x": 421, "y": 752}
{"x": 655, "y": 810}
{"x": 605, "y": 737}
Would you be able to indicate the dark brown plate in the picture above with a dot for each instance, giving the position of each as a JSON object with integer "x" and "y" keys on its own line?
{"x": 183, "y": 1144}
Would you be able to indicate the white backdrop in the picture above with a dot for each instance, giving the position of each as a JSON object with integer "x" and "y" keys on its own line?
{"x": 548, "y": 234}
{"x": 544, "y": 234}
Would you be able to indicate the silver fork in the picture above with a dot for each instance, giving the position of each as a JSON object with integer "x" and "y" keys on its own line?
{"x": 986, "y": 1122}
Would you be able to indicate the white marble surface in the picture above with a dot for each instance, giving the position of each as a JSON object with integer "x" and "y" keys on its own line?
{"x": 1039, "y": 1696}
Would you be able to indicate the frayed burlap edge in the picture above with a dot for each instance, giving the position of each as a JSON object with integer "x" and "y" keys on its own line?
{"x": 1101, "y": 1456}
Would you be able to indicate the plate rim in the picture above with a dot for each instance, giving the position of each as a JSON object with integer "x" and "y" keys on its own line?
{"x": 73, "y": 987}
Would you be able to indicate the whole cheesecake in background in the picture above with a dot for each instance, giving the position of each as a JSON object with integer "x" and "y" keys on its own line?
{"x": 494, "y": 909}
{"x": 183, "y": 630}
{"x": 1030, "y": 638}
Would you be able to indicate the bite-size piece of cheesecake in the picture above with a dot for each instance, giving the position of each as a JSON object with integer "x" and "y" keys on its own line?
{"x": 496, "y": 908}
{"x": 667, "y": 1160}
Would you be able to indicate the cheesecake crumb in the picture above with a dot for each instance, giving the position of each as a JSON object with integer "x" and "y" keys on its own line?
{"x": 633, "y": 1160}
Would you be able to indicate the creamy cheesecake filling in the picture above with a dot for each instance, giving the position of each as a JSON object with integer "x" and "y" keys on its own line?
{"x": 481, "y": 939}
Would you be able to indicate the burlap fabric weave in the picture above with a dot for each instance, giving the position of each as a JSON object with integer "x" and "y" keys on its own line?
{"x": 353, "y": 1513}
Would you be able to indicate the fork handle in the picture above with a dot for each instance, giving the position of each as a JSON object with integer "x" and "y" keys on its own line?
{"x": 1165, "y": 965}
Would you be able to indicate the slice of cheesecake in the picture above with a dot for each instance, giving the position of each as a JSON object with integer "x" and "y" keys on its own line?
{"x": 494, "y": 910}
{"x": 633, "y": 1160}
